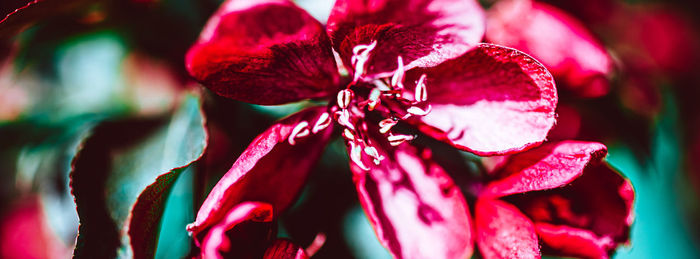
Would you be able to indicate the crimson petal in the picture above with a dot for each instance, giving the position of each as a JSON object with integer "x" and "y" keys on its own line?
{"x": 504, "y": 232}
{"x": 492, "y": 100}
{"x": 270, "y": 170}
{"x": 559, "y": 41}
{"x": 237, "y": 228}
{"x": 595, "y": 210}
{"x": 416, "y": 209}
{"x": 573, "y": 241}
{"x": 263, "y": 52}
{"x": 285, "y": 249}
{"x": 550, "y": 166}
{"x": 424, "y": 33}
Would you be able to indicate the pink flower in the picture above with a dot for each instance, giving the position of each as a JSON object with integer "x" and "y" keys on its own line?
{"x": 560, "y": 197}
{"x": 561, "y": 42}
{"x": 248, "y": 231}
{"x": 413, "y": 62}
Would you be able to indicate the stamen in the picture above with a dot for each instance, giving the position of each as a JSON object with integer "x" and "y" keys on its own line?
{"x": 343, "y": 118}
{"x": 315, "y": 245}
{"x": 374, "y": 98}
{"x": 397, "y": 78}
{"x": 421, "y": 94}
{"x": 381, "y": 85}
{"x": 372, "y": 151}
{"x": 323, "y": 122}
{"x": 348, "y": 134}
{"x": 344, "y": 98}
{"x": 396, "y": 140}
{"x": 360, "y": 57}
{"x": 386, "y": 124}
{"x": 356, "y": 155}
{"x": 418, "y": 111}
{"x": 301, "y": 130}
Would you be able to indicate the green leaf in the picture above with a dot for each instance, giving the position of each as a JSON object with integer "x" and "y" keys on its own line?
{"x": 130, "y": 166}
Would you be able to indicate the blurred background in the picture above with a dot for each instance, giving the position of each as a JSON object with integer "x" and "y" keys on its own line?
{"x": 67, "y": 67}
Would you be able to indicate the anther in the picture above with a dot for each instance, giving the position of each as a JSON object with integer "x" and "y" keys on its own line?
{"x": 360, "y": 57}
{"x": 397, "y": 78}
{"x": 374, "y": 98}
{"x": 301, "y": 130}
{"x": 386, "y": 124}
{"x": 418, "y": 111}
{"x": 356, "y": 155}
{"x": 344, "y": 98}
{"x": 372, "y": 151}
{"x": 421, "y": 94}
{"x": 343, "y": 118}
{"x": 396, "y": 140}
{"x": 323, "y": 122}
{"x": 348, "y": 135}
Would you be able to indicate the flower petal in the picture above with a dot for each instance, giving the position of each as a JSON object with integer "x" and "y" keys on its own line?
{"x": 270, "y": 170}
{"x": 285, "y": 249}
{"x": 416, "y": 209}
{"x": 25, "y": 233}
{"x": 559, "y": 41}
{"x": 244, "y": 231}
{"x": 491, "y": 100}
{"x": 597, "y": 205}
{"x": 424, "y": 33}
{"x": 263, "y": 52}
{"x": 564, "y": 240}
{"x": 503, "y": 231}
{"x": 549, "y": 166}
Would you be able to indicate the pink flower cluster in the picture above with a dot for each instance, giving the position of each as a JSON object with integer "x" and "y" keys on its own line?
{"x": 419, "y": 64}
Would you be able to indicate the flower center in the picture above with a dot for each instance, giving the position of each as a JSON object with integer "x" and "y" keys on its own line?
{"x": 385, "y": 96}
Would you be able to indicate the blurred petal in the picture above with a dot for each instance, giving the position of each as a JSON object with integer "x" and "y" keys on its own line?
{"x": 559, "y": 41}
{"x": 503, "y": 231}
{"x": 550, "y": 166}
{"x": 24, "y": 233}
{"x": 491, "y": 100}
{"x": 570, "y": 241}
{"x": 416, "y": 209}
{"x": 284, "y": 249}
{"x": 238, "y": 233}
{"x": 424, "y": 33}
{"x": 664, "y": 37}
{"x": 270, "y": 170}
{"x": 597, "y": 206}
{"x": 568, "y": 123}
{"x": 263, "y": 52}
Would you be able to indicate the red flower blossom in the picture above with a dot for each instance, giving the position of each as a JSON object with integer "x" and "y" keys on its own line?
{"x": 417, "y": 62}
{"x": 561, "y": 42}
{"x": 560, "y": 193}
